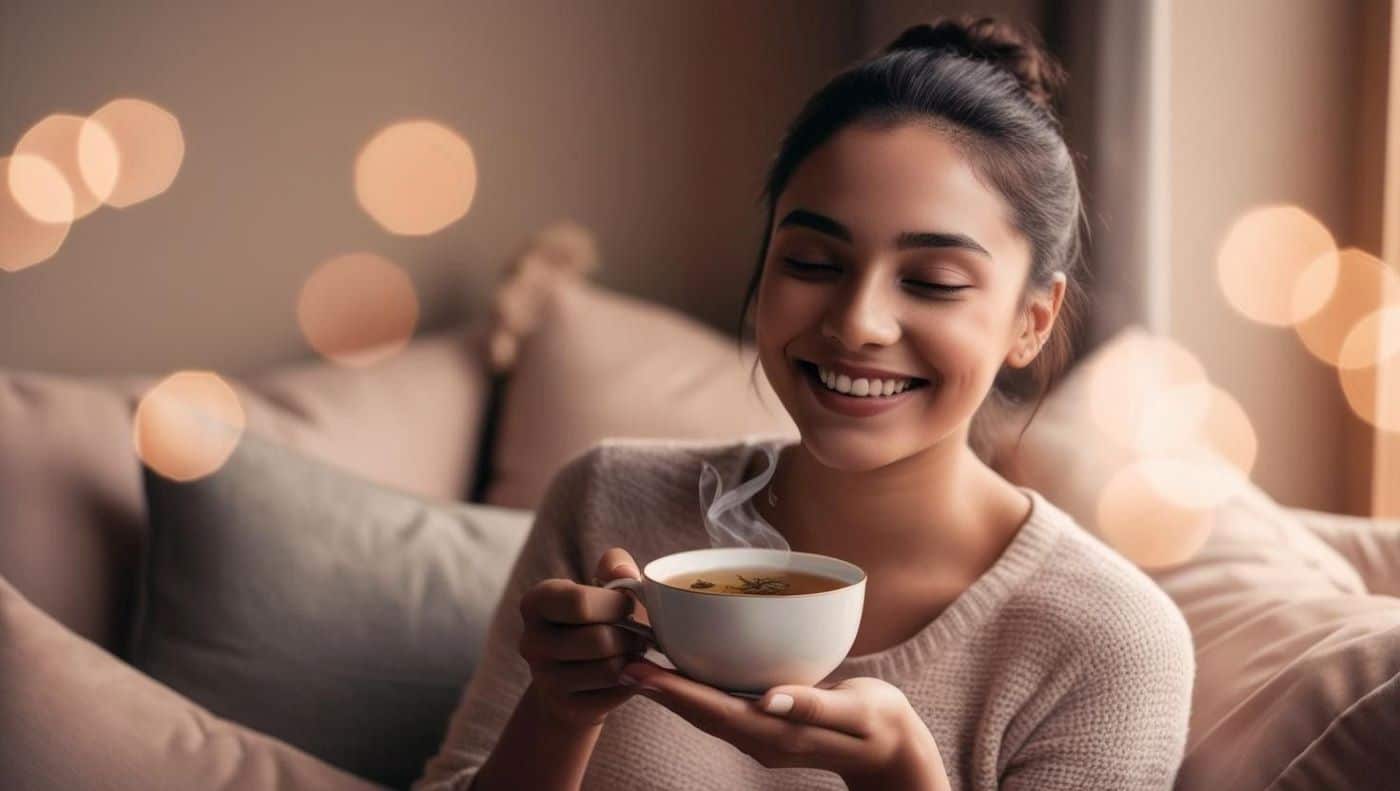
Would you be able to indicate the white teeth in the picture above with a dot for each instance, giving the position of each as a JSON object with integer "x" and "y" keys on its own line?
{"x": 861, "y": 388}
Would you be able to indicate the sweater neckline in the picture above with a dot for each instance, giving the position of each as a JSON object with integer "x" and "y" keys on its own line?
{"x": 975, "y": 606}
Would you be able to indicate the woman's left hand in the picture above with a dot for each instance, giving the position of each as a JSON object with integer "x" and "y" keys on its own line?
{"x": 861, "y": 728}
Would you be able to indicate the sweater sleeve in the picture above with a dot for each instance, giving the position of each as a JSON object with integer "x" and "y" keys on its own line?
{"x": 1123, "y": 723}
{"x": 502, "y": 675}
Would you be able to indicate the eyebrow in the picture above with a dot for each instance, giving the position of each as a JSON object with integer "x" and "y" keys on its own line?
{"x": 908, "y": 240}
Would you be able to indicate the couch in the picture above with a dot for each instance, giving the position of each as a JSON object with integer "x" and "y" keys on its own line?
{"x": 133, "y": 653}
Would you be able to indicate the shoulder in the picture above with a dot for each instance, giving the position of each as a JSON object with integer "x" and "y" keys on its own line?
{"x": 620, "y": 477}
{"x": 1099, "y": 607}
{"x": 1109, "y": 668}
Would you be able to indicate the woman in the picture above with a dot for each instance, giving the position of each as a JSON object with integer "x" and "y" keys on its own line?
{"x": 922, "y": 237}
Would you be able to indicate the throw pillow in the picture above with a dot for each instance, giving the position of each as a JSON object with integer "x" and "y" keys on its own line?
{"x": 601, "y": 364}
{"x": 74, "y": 716}
{"x": 1295, "y": 660}
{"x": 71, "y": 513}
{"x": 340, "y": 616}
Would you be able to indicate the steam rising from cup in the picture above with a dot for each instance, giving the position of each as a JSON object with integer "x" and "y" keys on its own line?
{"x": 727, "y": 522}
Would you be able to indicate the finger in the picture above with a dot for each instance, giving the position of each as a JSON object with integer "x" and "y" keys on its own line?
{"x": 564, "y": 601}
{"x": 546, "y": 642}
{"x": 585, "y": 676}
{"x": 840, "y": 707}
{"x": 739, "y": 722}
{"x": 616, "y": 563}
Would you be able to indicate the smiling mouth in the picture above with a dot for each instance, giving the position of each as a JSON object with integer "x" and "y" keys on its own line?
{"x": 810, "y": 369}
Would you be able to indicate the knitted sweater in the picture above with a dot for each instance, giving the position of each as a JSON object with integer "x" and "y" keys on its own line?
{"x": 1061, "y": 667}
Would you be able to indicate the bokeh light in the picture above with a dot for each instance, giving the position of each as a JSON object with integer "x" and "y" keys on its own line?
{"x": 150, "y": 149}
{"x": 188, "y": 425}
{"x": 24, "y": 241}
{"x": 415, "y": 177}
{"x": 1129, "y": 376}
{"x": 40, "y": 189}
{"x": 1370, "y": 359}
{"x": 1361, "y": 279}
{"x": 1198, "y": 416}
{"x": 1264, "y": 254}
{"x": 57, "y": 138}
{"x": 358, "y": 309}
{"x": 1147, "y": 527}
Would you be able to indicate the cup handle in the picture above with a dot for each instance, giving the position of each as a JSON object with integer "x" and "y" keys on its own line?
{"x": 637, "y": 590}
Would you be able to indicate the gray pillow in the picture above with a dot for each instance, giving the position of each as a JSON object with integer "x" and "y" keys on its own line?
{"x": 341, "y": 616}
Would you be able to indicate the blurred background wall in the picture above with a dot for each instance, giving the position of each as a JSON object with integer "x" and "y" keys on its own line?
{"x": 651, "y": 123}
{"x": 648, "y": 122}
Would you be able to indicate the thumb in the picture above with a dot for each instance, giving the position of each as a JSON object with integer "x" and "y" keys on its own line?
{"x": 616, "y": 563}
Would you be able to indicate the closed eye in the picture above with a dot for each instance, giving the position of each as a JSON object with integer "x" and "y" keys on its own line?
{"x": 806, "y": 266}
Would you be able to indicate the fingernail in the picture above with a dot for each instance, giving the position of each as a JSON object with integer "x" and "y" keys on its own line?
{"x": 780, "y": 703}
{"x": 619, "y": 568}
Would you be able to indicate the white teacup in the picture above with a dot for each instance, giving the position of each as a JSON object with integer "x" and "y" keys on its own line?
{"x": 747, "y": 644}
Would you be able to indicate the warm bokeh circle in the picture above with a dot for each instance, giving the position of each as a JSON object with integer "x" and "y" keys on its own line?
{"x": 416, "y": 177}
{"x": 24, "y": 240}
{"x": 358, "y": 309}
{"x": 1265, "y": 253}
{"x": 188, "y": 425}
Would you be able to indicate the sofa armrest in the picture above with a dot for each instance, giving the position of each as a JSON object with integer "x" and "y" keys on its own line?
{"x": 1371, "y": 545}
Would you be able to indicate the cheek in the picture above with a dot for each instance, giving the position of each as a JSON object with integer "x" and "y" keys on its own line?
{"x": 782, "y": 311}
{"x": 963, "y": 350}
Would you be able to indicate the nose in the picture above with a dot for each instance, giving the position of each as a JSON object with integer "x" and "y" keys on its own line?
{"x": 861, "y": 313}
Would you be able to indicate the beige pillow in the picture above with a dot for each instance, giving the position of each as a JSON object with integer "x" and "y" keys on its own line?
{"x": 1296, "y": 661}
{"x": 73, "y": 716}
{"x": 600, "y": 364}
{"x": 72, "y": 519}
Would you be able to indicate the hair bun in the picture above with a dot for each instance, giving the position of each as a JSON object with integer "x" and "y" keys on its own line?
{"x": 1011, "y": 48}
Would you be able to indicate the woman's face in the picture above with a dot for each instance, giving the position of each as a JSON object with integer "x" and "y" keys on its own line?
{"x": 888, "y": 252}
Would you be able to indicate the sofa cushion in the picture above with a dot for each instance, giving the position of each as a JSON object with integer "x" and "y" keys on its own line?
{"x": 74, "y": 716}
{"x": 338, "y": 615}
{"x": 601, "y": 364}
{"x": 71, "y": 513}
{"x": 1295, "y": 659}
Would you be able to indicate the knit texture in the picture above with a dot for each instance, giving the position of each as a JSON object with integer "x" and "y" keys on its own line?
{"x": 1062, "y": 667}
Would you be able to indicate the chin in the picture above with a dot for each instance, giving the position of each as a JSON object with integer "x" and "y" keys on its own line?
{"x": 851, "y": 451}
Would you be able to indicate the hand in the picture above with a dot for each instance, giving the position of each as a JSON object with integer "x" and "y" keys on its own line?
{"x": 574, "y": 653}
{"x": 861, "y": 728}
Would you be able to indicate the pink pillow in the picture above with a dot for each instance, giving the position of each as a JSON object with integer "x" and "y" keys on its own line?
{"x": 600, "y": 364}
{"x": 74, "y": 716}
{"x": 72, "y": 520}
{"x": 1296, "y": 660}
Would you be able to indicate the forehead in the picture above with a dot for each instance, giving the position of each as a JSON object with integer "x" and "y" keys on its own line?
{"x": 881, "y": 182}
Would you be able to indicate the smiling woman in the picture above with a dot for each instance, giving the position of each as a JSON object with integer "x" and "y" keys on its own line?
{"x": 919, "y": 272}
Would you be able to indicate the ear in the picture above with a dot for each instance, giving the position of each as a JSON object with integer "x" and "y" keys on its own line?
{"x": 1035, "y": 322}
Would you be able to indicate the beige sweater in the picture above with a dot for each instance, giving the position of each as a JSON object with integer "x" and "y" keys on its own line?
{"x": 1062, "y": 667}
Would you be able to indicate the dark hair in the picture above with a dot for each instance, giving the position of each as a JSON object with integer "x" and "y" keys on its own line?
{"x": 992, "y": 86}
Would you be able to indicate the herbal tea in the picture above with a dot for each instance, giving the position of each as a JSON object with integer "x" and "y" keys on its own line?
{"x": 755, "y": 581}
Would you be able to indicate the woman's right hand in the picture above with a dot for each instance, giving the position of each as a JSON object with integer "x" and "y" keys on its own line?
{"x": 574, "y": 652}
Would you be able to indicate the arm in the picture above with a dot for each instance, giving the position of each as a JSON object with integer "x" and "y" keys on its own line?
{"x": 496, "y": 713}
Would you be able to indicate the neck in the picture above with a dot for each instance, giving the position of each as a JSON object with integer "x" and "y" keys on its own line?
{"x": 942, "y": 506}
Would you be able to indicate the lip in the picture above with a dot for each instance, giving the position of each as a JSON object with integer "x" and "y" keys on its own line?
{"x": 851, "y": 406}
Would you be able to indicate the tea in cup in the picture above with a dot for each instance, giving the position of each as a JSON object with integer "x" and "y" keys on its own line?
{"x": 744, "y": 620}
